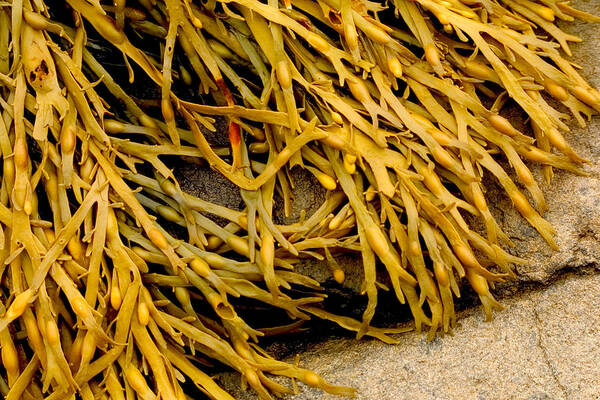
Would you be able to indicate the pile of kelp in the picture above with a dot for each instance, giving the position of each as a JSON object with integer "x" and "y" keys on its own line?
{"x": 117, "y": 284}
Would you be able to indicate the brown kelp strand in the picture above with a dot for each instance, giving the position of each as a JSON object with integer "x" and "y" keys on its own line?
{"x": 117, "y": 283}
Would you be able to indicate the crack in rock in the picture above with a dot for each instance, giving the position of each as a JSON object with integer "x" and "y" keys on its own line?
{"x": 544, "y": 351}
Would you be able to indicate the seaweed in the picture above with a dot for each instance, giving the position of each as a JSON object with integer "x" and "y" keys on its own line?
{"x": 117, "y": 283}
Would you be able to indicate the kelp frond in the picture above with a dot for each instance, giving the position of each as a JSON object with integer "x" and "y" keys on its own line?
{"x": 117, "y": 283}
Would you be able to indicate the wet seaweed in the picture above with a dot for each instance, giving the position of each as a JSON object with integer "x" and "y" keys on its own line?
{"x": 117, "y": 283}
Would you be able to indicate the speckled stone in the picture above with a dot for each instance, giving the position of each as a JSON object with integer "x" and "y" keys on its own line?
{"x": 544, "y": 345}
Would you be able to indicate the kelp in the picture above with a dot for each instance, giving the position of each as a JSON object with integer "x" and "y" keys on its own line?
{"x": 117, "y": 283}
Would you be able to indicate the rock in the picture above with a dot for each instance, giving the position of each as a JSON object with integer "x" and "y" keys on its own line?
{"x": 544, "y": 345}
{"x": 205, "y": 183}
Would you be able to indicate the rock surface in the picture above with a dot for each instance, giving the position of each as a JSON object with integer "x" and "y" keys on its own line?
{"x": 545, "y": 345}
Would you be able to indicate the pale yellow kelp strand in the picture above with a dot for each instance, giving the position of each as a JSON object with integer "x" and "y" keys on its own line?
{"x": 116, "y": 283}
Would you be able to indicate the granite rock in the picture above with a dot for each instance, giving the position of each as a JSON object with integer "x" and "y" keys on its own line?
{"x": 544, "y": 345}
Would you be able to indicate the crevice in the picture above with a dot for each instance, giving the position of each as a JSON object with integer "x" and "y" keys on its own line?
{"x": 322, "y": 331}
{"x": 514, "y": 289}
{"x": 540, "y": 345}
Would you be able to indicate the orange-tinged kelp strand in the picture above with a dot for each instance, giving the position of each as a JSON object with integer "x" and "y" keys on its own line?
{"x": 178, "y": 20}
{"x": 309, "y": 134}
